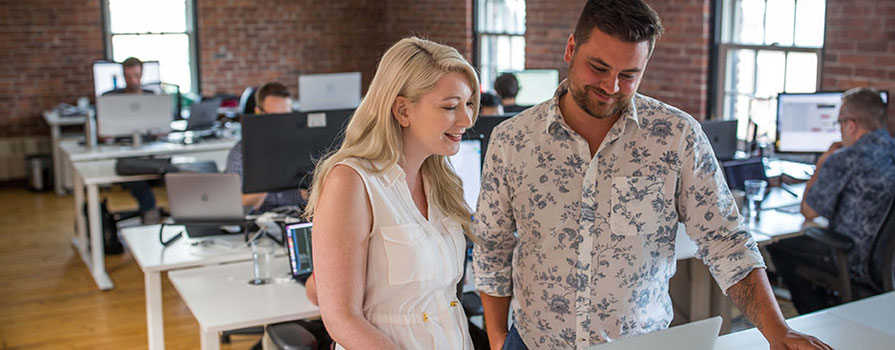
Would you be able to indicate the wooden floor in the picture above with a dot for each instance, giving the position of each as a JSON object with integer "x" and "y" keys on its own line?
{"x": 48, "y": 299}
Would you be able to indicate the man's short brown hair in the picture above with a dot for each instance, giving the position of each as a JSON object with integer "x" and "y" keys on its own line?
{"x": 271, "y": 89}
{"x": 132, "y": 62}
{"x": 631, "y": 21}
{"x": 866, "y": 106}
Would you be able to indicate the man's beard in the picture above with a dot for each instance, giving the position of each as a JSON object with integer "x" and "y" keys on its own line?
{"x": 580, "y": 97}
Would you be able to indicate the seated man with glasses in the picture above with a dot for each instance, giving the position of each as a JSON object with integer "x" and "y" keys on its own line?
{"x": 853, "y": 187}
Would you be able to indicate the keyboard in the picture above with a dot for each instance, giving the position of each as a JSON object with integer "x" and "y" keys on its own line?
{"x": 791, "y": 209}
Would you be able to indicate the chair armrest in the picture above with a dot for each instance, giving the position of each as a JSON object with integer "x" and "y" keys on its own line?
{"x": 291, "y": 336}
{"x": 832, "y": 239}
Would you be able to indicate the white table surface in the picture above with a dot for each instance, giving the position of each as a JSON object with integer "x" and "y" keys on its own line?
{"x": 78, "y": 153}
{"x": 221, "y": 298}
{"x": 868, "y": 324}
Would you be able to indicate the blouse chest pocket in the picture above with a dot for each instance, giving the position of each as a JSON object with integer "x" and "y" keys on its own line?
{"x": 410, "y": 253}
{"x": 639, "y": 204}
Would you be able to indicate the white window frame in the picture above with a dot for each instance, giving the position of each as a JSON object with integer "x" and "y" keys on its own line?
{"x": 190, "y": 32}
{"x": 726, "y": 47}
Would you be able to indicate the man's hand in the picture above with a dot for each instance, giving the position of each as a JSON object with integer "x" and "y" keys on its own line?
{"x": 792, "y": 340}
{"x": 823, "y": 157}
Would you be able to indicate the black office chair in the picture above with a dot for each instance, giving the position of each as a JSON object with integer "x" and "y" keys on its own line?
{"x": 247, "y": 101}
{"x": 881, "y": 262}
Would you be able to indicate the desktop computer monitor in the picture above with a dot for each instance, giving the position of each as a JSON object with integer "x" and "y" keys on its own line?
{"x": 280, "y": 151}
{"x": 322, "y": 92}
{"x": 467, "y": 163}
{"x": 108, "y": 76}
{"x": 123, "y": 114}
{"x": 536, "y": 85}
{"x": 806, "y": 123}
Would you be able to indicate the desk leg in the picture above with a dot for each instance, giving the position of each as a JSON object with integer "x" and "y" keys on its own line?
{"x": 58, "y": 172}
{"x": 80, "y": 221}
{"x": 155, "y": 324}
{"x": 98, "y": 266}
{"x": 700, "y": 291}
{"x": 210, "y": 340}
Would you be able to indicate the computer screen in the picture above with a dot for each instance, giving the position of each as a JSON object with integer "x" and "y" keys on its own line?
{"x": 108, "y": 76}
{"x": 298, "y": 244}
{"x": 320, "y": 92}
{"x": 806, "y": 123}
{"x": 467, "y": 163}
{"x": 483, "y": 128}
{"x": 281, "y": 150}
{"x": 124, "y": 114}
{"x": 536, "y": 85}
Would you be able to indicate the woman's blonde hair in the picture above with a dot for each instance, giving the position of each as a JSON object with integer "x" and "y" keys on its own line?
{"x": 410, "y": 68}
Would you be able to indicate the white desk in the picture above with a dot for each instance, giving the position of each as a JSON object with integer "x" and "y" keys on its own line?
{"x": 61, "y": 171}
{"x": 221, "y": 298}
{"x": 864, "y": 324}
{"x": 153, "y": 259}
{"x": 93, "y": 168}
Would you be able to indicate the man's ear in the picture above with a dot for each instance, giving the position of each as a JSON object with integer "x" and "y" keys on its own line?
{"x": 399, "y": 111}
{"x": 570, "y": 49}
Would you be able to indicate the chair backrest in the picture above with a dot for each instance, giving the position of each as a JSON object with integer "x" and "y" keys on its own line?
{"x": 247, "y": 101}
{"x": 882, "y": 254}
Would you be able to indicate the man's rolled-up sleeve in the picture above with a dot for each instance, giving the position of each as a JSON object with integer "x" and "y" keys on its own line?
{"x": 710, "y": 215}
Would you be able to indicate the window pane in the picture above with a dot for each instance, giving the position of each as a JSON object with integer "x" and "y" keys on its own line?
{"x": 502, "y": 16}
{"x": 748, "y": 25}
{"x": 741, "y": 105}
{"x": 517, "y": 56}
{"x": 171, "y": 50}
{"x": 741, "y": 72}
{"x": 141, "y": 16}
{"x": 779, "y": 22}
{"x": 801, "y": 72}
{"x": 771, "y": 69}
{"x": 810, "y": 23}
{"x": 764, "y": 114}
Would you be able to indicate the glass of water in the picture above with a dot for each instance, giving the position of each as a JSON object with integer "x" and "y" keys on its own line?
{"x": 262, "y": 260}
{"x": 755, "y": 194}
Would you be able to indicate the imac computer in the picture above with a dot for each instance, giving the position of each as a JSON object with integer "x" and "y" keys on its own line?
{"x": 108, "y": 76}
{"x": 322, "y": 92}
{"x": 807, "y": 123}
{"x": 125, "y": 114}
{"x": 280, "y": 151}
{"x": 467, "y": 163}
{"x": 535, "y": 85}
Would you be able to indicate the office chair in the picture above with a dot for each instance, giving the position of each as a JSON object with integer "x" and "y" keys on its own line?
{"x": 881, "y": 262}
{"x": 247, "y": 101}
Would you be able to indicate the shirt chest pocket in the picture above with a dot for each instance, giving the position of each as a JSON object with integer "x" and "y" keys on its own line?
{"x": 639, "y": 204}
{"x": 410, "y": 253}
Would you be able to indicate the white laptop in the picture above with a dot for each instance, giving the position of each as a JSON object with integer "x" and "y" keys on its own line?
{"x": 124, "y": 114}
{"x": 699, "y": 335}
{"x": 204, "y": 198}
{"x": 323, "y": 92}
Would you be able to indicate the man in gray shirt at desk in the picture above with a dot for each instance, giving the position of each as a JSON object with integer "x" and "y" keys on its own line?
{"x": 853, "y": 187}
{"x": 271, "y": 98}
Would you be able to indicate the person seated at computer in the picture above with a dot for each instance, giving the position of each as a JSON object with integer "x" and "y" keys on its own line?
{"x": 388, "y": 210}
{"x": 132, "y": 69}
{"x": 140, "y": 190}
{"x": 852, "y": 186}
{"x": 490, "y": 104}
{"x": 272, "y": 98}
{"x": 507, "y": 86}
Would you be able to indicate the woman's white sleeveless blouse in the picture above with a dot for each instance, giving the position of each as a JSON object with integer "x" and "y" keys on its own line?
{"x": 413, "y": 266}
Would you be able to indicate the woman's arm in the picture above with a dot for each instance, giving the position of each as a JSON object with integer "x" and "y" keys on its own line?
{"x": 342, "y": 223}
{"x": 311, "y": 290}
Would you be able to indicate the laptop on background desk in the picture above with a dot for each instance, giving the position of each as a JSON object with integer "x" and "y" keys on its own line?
{"x": 204, "y": 202}
{"x": 298, "y": 243}
{"x": 722, "y": 134}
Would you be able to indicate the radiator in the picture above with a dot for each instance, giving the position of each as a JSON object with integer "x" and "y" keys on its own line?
{"x": 14, "y": 151}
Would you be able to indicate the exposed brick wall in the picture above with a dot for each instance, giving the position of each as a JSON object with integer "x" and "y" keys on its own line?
{"x": 444, "y": 21}
{"x": 859, "y": 48}
{"x": 47, "y": 48}
{"x": 678, "y": 70}
{"x": 248, "y": 43}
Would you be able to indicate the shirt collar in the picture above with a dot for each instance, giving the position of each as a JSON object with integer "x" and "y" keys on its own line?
{"x": 556, "y": 123}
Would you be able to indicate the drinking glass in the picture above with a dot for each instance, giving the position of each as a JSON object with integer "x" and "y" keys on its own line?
{"x": 262, "y": 260}
{"x": 754, "y": 195}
